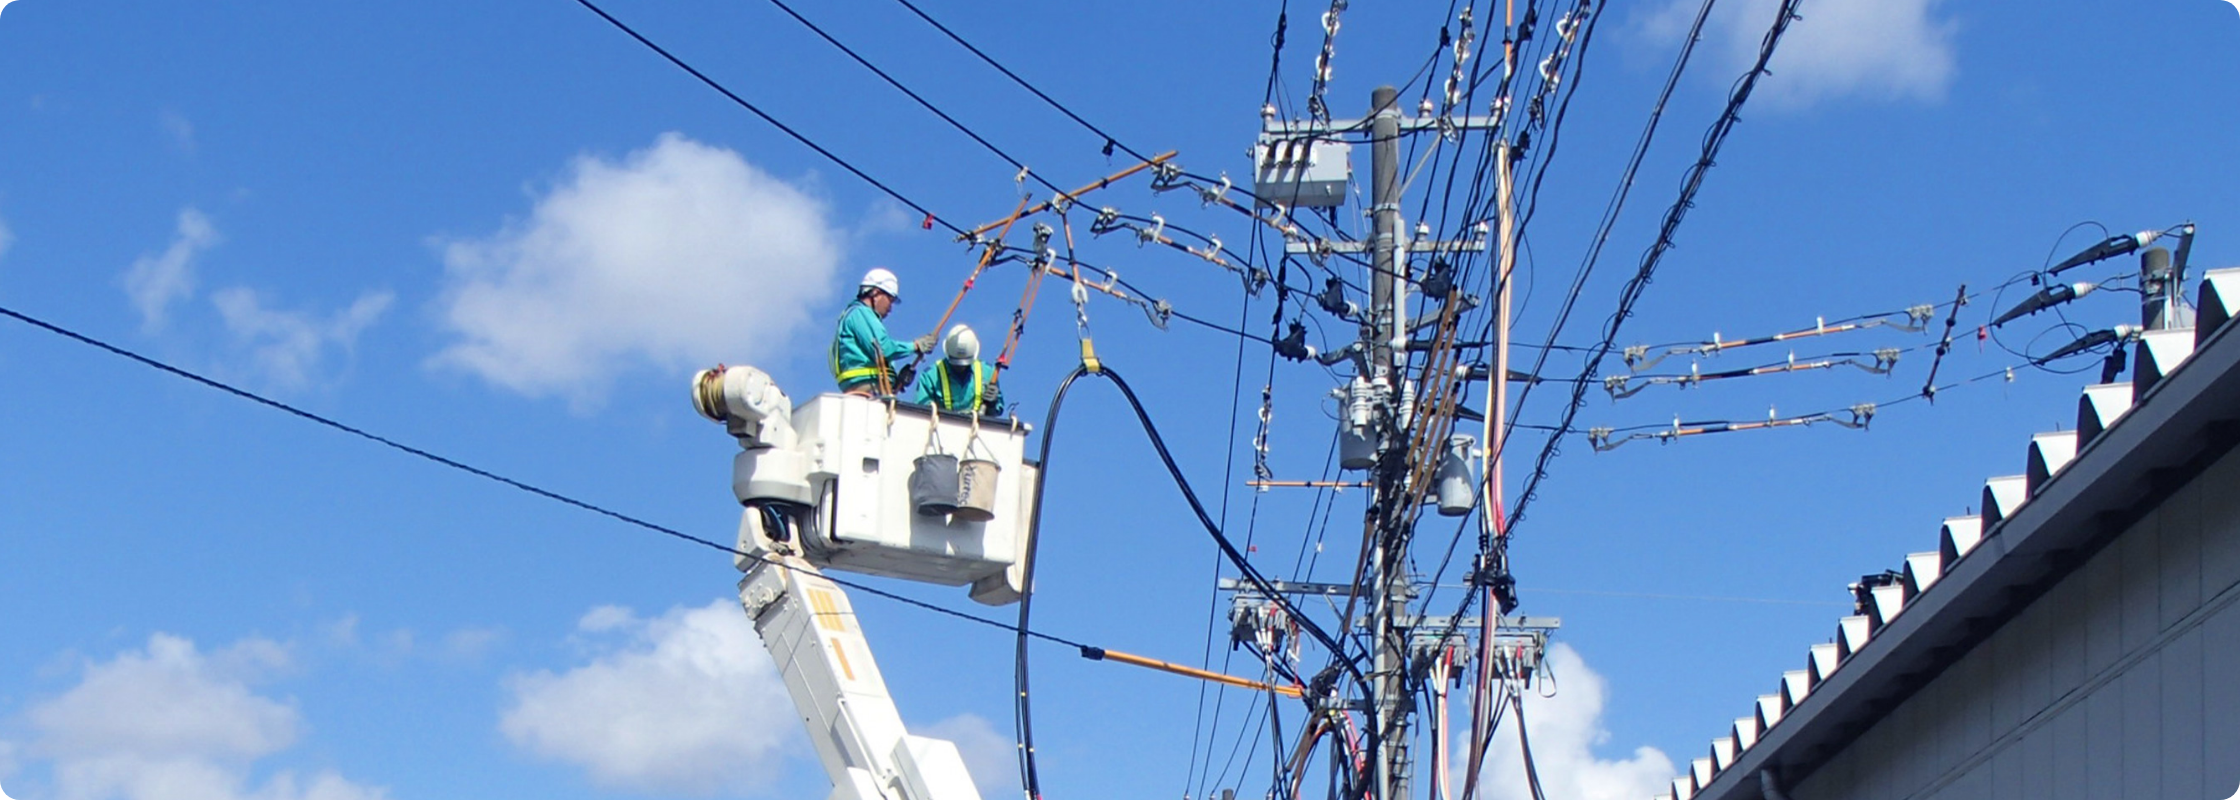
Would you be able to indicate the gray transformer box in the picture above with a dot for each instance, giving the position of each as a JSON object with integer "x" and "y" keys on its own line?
{"x": 1301, "y": 173}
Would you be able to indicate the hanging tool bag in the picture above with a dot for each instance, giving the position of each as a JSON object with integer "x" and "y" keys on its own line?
{"x": 934, "y": 477}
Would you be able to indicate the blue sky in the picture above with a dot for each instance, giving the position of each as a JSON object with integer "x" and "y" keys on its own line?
{"x": 507, "y": 233}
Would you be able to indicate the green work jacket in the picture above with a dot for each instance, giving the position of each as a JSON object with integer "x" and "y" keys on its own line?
{"x": 861, "y": 348}
{"x": 959, "y": 389}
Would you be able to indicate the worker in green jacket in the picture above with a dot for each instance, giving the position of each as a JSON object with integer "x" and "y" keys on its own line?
{"x": 863, "y": 355}
{"x": 962, "y": 382}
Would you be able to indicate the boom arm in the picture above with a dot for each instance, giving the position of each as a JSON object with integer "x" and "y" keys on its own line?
{"x": 810, "y": 629}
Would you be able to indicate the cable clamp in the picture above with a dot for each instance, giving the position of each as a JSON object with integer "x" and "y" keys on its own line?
{"x": 1166, "y": 176}
{"x": 1155, "y": 233}
{"x": 1107, "y": 221}
{"x": 1089, "y": 357}
{"x": 1210, "y": 196}
{"x": 1159, "y": 311}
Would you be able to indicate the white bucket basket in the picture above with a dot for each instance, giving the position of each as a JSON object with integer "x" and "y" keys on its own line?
{"x": 976, "y": 489}
{"x": 976, "y": 479}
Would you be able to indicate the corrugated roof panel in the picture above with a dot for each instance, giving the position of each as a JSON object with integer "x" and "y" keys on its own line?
{"x": 2099, "y": 408}
{"x": 1683, "y": 787}
{"x": 1825, "y": 660}
{"x": 2220, "y": 300}
{"x": 1796, "y": 685}
{"x": 1959, "y": 538}
{"x": 2049, "y": 452}
{"x": 1923, "y": 570}
{"x": 1703, "y": 771}
{"x": 1769, "y": 712}
{"x": 1746, "y": 732}
{"x": 1889, "y": 602}
{"x": 1723, "y": 752}
{"x": 2002, "y": 496}
{"x": 2160, "y": 353}
{"x": 1852, "y": 633}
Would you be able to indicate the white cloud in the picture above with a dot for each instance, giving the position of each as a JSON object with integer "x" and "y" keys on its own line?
{"x": 287, "y": 346}
{"x": 687, "y": 702}
{"x": 680, "y": 254}
{"x": 1565, "y": 730}
{"x": 991, "y": 757}
{"x": 1872, "y": 49}
{"x": 170, "y": 700}
{"x": 157, "y": 281}
{"x": 172, "y": 723}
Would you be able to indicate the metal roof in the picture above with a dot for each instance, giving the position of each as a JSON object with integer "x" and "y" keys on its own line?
{"x": 2134, "y": 443}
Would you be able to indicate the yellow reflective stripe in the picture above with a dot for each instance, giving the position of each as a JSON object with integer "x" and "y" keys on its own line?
{"x": 852, "y": 374}
{"x": 948, "y": 400}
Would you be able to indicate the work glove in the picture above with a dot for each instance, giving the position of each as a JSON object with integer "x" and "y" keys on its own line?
{"x": 923, "y": 344}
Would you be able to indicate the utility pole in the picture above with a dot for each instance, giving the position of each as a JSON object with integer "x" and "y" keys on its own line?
{"x": 1304, "y": 161}
{"x": 1388, "y": 324}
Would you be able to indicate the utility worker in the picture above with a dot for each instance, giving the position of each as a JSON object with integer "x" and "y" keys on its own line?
{"x": 863, "y": 355}
{"x": 962, "y": 382}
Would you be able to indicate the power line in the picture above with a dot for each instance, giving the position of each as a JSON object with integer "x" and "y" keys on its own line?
{"x": 766, "y": 117}
{"x": 906, "y": 91}
{"x": 1618, "y": 197}
{"x": 1631, "y": 293}
{"x": 1110, "y": 140}
{"x": 488, "y": 475}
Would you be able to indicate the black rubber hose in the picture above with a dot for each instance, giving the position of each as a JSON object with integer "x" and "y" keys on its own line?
{"x": 1023, "y": 723}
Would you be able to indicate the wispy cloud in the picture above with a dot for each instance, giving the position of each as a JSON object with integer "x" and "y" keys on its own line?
{"x": 178, "y": 128}
{"x": 686, "y": 702}
{"x": 1876, "y": 50}
{"x": 172, "y": 722}
{"x": 680, "y": 253}
{"x": 157, "y": 281}
{"x": 288, "y": 346}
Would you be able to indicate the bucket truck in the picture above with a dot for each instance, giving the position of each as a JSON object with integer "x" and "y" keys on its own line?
{"x": 878, "y": 487}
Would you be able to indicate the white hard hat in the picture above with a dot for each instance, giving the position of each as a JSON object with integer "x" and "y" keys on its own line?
{"x": 881, "y": 279}
{"x": 961, "y": 346}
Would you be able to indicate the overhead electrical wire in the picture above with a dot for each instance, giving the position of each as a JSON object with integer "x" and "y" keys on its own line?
{"x": 1110, "y": 140}
{"x": 766, "y": 117}
{"x": 1024, "y": 171}
{"x": 1618, "y": 196}
{"x": 479, "y": 472}
{"x": 1228, "y": 473}
{"x": 1861, "y": 415}
{"x": 1157, "y": 309}
{"x": 1631, "y": 293}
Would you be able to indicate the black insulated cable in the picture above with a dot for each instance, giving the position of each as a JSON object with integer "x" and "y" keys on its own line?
{"x": 1029, "y": 775}
{"x": 483, "y": 473}
{"x": 788, "y": 130}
